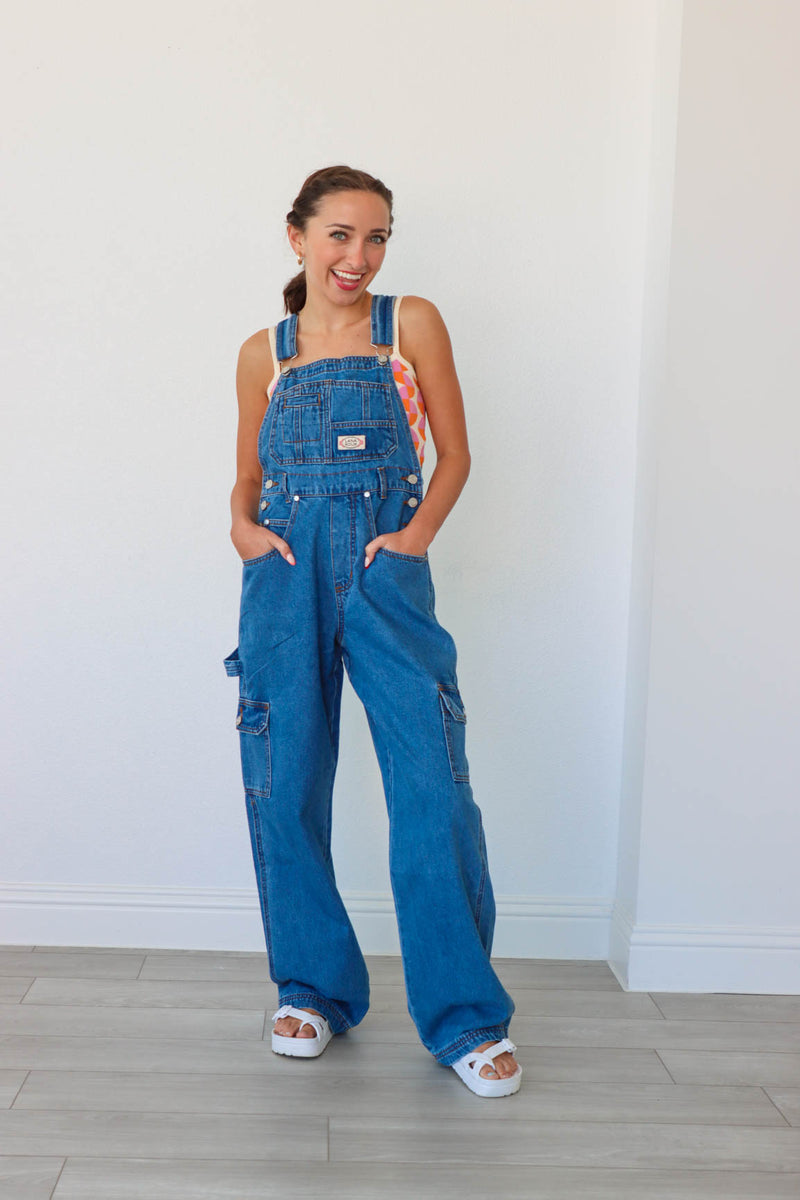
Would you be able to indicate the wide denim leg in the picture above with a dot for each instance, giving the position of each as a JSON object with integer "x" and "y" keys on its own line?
{"x": 299, "y": 626}
{"x": 288, "y": 660}
{"x": 437, "y": 849}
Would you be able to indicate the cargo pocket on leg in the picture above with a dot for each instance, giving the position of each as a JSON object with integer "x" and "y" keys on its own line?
{"x": 454, "y": 718}
{"x": 252, "y": 721}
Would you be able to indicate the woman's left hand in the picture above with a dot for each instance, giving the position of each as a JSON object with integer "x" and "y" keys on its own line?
{"x": 404, "y": 541}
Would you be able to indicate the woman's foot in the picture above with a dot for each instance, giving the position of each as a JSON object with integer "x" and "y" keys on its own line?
{"x": 289, "y": 1026}
{"x": 485, "y": 1071}
{"x": 505, "y": 1063}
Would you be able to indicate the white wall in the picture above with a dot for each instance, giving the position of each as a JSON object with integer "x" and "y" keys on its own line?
{"x": 154, "y": 152}
{"x": 717, "y": 905}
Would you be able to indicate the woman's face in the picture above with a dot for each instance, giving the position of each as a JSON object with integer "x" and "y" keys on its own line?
{"x": 344, "y": 244}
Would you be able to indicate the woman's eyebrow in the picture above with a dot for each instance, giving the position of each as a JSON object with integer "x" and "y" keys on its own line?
{"x": 379, "y": 229}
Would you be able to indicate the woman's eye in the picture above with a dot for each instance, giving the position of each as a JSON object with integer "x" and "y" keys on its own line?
{"x": 378, "y": 237}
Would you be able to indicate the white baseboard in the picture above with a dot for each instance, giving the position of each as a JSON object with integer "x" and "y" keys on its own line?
{"x": 229, "y": 919}
{"x": 643, "y": 957}
{"x": 723, "y": 958}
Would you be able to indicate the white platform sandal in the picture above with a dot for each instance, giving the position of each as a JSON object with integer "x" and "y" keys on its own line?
{"x": 302, "y": 1047}
{"x": 470, "y": 1066}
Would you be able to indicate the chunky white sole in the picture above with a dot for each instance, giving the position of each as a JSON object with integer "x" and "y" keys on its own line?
{"x": 468, "y": 1068}
{"x": 301, "y": 1047}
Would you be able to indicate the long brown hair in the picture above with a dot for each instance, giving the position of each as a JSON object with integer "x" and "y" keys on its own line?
{"x": 319, "y": 184}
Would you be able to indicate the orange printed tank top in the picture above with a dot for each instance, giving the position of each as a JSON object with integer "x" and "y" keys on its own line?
{"x": 404, "y": 377}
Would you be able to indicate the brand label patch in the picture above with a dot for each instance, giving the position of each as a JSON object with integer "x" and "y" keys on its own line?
{"x": 351, "y": 441}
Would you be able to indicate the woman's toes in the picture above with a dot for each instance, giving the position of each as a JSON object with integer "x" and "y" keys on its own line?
{"x": 291, "y": 1026}
{"x": 486, "y": 1071}
{"x": 504, "y": 1065}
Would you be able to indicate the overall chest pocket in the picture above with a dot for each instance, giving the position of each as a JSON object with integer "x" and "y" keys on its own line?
{"x": 298, "y": 433}
{"x": 363, "y": 423}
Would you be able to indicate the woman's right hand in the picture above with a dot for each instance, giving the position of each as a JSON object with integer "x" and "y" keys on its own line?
{"x": 252, "y": 540}
{"x": 253, "y": 374}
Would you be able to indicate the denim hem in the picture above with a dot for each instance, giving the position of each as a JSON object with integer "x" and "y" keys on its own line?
{"x": 468, "y": 1041}
{"x": 336, "y": 1018}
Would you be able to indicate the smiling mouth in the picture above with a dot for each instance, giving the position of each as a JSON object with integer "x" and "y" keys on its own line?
{"x": 346, "y": 276}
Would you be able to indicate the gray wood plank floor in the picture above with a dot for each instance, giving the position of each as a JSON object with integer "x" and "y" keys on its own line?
{"x": 148, "y": 1075}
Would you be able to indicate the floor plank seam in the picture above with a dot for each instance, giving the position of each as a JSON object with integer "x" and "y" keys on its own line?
{"x": 777, "y": 1108}
{"x": 61, "y": 1170}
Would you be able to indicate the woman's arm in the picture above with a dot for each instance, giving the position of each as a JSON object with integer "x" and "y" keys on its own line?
{"x": 253, "y": 373}
{"x": 426, "y": 344}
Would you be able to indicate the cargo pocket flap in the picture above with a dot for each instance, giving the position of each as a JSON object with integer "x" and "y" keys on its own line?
{"x": 453, "y": 702}
{"x": 252, "y": 716}
{"x": 233, "y": 664}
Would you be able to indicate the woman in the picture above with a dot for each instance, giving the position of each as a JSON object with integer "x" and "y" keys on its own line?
{"x": 329, "y": 520}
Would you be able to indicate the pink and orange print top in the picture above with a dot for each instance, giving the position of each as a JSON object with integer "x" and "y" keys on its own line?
{"x": 408, "y": 387}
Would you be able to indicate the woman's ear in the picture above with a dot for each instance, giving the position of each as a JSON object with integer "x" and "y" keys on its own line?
{"x": 295, "y": 240}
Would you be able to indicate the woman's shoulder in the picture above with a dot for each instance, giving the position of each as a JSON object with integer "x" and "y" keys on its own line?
{"x": 419, "y": 313}
{"x": 260, "y": 338}
{"x": 419, "y": 325}
{"x": 256, "y": 341}
{"x": 256, "y": 350}
{"x": 417, "y": 306}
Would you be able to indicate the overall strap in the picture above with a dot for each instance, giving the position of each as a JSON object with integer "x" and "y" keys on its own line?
{"x": 381, "y": 321}
{"x": 381, "y": 328}
{"x": 286, "y": 337}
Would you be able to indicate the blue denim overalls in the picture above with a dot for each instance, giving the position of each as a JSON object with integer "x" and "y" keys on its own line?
{"x": 340, "y": 468}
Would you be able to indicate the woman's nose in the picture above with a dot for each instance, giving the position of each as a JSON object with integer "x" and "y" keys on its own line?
{"x": 357, "y": 258}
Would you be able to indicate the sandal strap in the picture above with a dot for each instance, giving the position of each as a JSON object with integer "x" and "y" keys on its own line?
{"x": 289, "y": 1010}
{"x": 486, "y": 1056}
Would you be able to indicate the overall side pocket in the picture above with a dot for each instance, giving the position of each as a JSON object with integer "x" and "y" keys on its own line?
{"x": 454, "y": 718}
{"x": 393, "y": 514}
{"x": 282, "y": 514}
{"x": 252, "y": 721}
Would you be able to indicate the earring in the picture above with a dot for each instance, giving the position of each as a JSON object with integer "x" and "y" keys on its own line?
{"x": 300, "y": 260}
